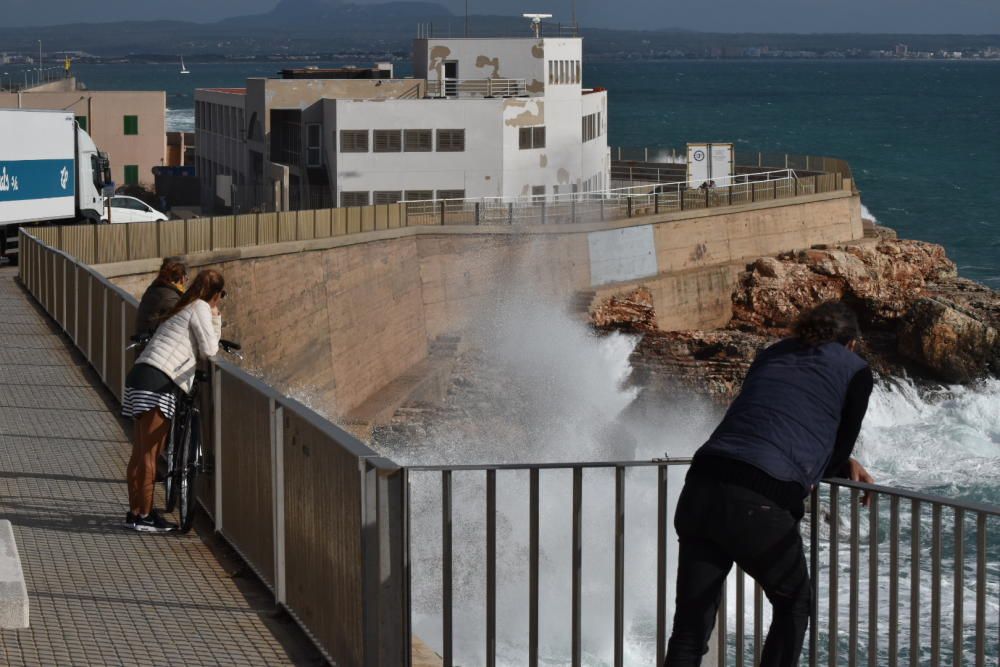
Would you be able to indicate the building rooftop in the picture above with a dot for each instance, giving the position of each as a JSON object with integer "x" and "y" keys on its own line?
{"x": 379, "y": 71}
{"x": 229, "y": 91}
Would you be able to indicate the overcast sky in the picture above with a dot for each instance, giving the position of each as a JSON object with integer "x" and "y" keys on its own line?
{"x": 900, "y": 16}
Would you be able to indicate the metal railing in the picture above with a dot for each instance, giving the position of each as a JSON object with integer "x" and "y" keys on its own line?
{"x": 859, "y": 625}
{"x": 315, "y": 513}
{"x": 743, "y": 158}
{"x": 476, "y": 88}
{"x": 633, "y": 201}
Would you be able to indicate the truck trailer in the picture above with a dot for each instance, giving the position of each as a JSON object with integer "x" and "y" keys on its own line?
{"x": 50, "y": 171}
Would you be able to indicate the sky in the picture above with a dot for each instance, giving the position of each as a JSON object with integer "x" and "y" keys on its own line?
{"x": 893, "y": 16}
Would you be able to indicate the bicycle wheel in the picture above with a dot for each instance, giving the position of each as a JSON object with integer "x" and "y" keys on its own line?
{"x": 188, "y": 470}
{"x": 170, "y": 485}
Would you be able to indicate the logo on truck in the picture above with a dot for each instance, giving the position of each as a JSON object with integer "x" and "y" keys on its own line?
{"x": 63, "y": 177}
{"x": 8, "y": 183}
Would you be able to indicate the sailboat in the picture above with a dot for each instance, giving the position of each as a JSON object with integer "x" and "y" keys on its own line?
{"x": 184, "y": 70}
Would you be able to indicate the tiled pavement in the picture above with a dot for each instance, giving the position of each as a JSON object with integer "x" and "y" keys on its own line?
{"x": 101, "y": 595}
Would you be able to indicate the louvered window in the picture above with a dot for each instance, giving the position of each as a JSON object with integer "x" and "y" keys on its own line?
{"x": 388, "y": 196}
{"x": 450, "y": 141}
{"x": 354, "y": 199}
{"x": 388, "y": 141}
{"x": 354, "y": 141}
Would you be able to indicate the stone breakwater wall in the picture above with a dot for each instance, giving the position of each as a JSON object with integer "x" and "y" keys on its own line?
{"x": 340, "y": 319}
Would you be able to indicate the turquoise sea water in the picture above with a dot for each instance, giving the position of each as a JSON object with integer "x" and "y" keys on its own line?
{"x": 923, "y": 138}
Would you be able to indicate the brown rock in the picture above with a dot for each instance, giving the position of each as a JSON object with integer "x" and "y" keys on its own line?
{"x": 632, "y": 312}
{"x": 952, "y": 345}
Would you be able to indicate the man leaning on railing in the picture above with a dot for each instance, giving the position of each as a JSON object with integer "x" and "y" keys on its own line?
{"x": 795, "y": 421}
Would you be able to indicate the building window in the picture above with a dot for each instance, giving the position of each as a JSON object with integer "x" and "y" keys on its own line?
{"x": 531, "y": 137}
{"x": 354, "y": 141}
{"x": 314, "y": 145}
{"x": 419, "y": 195}
{"x": 451, "y": 194}
{"x": 131, "y": 125}
{"x": 354, "y": 198}
{"x": 538, "y": 191}
{"x": 388, "y": 197}
{"x": 418, "y": 141}
{"x": 552, "y": 71}
{"x": 388, "y": 141}
{"x": 131, "y": 174}
{"x": 451, "y": 141}
{"x": 579, "y": 74}
{"x": 82, "y": 122}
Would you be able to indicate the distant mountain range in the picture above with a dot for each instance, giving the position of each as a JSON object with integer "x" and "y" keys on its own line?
{"x": 302, "y": 27}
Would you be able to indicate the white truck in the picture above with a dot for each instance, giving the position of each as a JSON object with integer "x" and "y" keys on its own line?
{"x": 50, "y": 171}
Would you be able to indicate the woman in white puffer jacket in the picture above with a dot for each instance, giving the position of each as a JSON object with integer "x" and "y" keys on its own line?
{"x": 191, "y": 330}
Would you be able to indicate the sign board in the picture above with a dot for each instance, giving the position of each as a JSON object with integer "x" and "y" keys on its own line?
{"x": 707, "y": 162}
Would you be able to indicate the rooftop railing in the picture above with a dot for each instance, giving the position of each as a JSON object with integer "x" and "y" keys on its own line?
{"x": 476, "y": 88}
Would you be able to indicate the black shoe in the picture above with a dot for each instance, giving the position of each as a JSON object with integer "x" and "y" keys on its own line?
{"x": 153, "y": 523}
{"x": 129, "y": 519}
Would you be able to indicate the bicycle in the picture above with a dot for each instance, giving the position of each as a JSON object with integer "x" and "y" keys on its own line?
{"x": 184, "y": 454}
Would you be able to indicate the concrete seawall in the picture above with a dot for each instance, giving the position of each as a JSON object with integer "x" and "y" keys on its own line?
{"x": 339, "y": 319}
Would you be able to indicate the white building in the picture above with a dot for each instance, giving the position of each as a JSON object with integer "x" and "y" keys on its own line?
{"x": 480, "y": 118}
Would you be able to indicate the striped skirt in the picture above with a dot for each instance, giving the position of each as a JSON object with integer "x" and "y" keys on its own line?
{"x": 148, "y": 388}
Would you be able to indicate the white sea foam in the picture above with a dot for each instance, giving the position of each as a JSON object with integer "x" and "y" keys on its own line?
{"x": 867, "y": 215}
{"x": 180, "y": 120}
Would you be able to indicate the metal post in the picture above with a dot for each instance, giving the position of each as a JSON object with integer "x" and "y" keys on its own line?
{"x": 661, "y": 564}
{"x": 834, "y": 574}
{"x": 959, "y": 600}
{"x": 936, "y": 585}
{"x": 442, "y": 211}
{"x": 619, "y": 566}
{"x": 543, "y": 211}
{"x": 576, "y": 626}
{"x": 629, "y": 202}
{"x": 277, "y": 413}
{"x": 915, "y": 610}
{"x": 852, "y": 631}
{"x": 491, "y": 568}
{"x": 533, "y": 570}
{"x": 873, "y": 535}
{"x": 217, "y": 444}
{"x": 477, "y": 213}
{"x": 510, "y": 213}
{"x": 980, "y": 589}
{"x": 893, "y": 581}
{"x": 446, "y": 565}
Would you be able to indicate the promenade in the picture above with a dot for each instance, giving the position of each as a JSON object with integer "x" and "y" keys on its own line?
{"x": 99, "y": 594}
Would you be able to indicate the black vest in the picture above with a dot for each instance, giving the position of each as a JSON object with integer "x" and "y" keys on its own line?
{"x": 785, "y": 420}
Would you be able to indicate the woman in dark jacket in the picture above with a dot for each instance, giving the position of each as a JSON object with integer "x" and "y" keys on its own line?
{"x": 162, "y": 295}
{"x": 795, "y": 421}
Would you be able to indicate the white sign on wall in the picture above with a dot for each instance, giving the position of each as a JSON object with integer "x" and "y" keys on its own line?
{"x": 618, "y": 255}
{"x": 709, "y": 162}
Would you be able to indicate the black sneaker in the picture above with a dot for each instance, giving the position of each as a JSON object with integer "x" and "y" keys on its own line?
{"x": 129, "y": 519}
{"x": 153, "y": 523}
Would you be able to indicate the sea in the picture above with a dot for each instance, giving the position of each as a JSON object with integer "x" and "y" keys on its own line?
{"x": 923, "y": 140}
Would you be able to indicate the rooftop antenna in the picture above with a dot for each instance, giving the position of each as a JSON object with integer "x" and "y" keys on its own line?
{"x": 536, "y": 22}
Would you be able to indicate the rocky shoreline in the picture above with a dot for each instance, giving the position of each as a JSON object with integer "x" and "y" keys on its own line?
{"x": 918, "y": 318}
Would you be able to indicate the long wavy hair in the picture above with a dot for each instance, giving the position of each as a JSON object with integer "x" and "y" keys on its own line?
{"x": 829, "y": 322}
{"x": 205, "y": 286}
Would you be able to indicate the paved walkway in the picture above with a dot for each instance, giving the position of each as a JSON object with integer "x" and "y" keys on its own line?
{"x": 101, "y": 595}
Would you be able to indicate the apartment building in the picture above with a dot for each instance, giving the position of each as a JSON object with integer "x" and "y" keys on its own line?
{"x": 480, "y": 118}
{"x": 130, "y": 126}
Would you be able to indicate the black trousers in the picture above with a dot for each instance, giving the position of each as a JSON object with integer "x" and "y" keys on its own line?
{"x": 719, "y": 524}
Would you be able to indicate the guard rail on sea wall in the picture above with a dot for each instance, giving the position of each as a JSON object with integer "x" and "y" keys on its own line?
{"x": 879, "y": 572}
{"x": 742, "y": 158}
{"x": 315, "y": 513}
{"x": 105, "y": 244}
